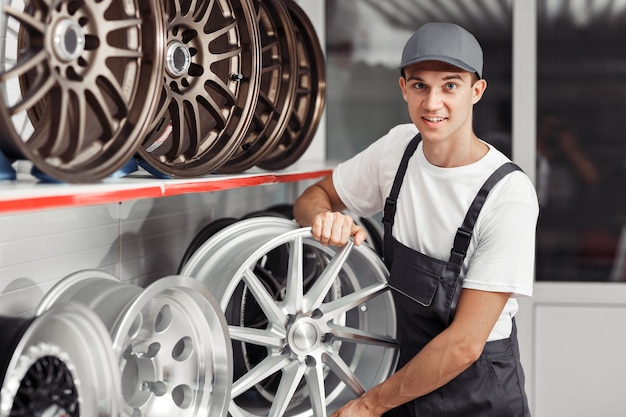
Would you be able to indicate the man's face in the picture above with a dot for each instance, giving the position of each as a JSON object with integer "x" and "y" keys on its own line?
{"x": 440, "y": 99}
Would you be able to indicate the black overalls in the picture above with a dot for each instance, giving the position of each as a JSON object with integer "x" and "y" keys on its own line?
{"x": 426, "y": 291}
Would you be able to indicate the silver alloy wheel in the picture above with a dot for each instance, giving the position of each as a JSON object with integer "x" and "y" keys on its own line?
{"x": 171, "y": 341}
{"x": 49, "y": 370}
{"x": 326, "y": 341}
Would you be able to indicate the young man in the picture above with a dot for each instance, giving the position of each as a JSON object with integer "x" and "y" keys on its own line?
{"x": 459, "y": 222}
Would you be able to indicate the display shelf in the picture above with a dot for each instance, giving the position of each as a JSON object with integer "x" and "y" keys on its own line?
{"x": 27, "y": 193}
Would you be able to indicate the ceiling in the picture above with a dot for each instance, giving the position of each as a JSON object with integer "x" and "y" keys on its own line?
{"x": 489, "y": 19}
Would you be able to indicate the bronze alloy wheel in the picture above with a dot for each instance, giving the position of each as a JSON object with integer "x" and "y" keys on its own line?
{"x": 210, "y": 86}
{"x": 310, "y": 95}
{"x": 278, "y": 86}
{"x": 79, "y": 80}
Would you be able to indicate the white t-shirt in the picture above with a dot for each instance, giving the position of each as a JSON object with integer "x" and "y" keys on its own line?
{"x": 432, "y": 204}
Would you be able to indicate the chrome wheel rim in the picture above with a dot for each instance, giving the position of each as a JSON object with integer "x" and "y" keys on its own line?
{"x": 171, "y": 341}
{"x": 320, "y": 340}
{"x": 51, "y": 369}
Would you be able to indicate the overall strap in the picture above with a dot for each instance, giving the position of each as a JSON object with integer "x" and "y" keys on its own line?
{"x": 389, "y": 211}
{"x": 464, "y": 233}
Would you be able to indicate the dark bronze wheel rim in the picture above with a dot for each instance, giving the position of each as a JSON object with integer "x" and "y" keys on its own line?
{"x": 278, "y": 86}
{"x": 79, "y": 79}
{"x": 210, "y": 86}
{"x": 310, "y": 96}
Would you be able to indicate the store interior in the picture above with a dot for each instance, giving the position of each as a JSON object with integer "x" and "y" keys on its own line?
{"x": 149, "y": 260}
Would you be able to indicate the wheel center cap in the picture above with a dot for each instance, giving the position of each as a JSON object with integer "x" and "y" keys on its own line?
{"x": 69, "y": 40}
{"x": 177, "y": 59}
{"x": 304, "y": 336}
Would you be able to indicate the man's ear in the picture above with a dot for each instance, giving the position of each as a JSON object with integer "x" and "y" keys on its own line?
{"x": 478, "y": 89}
{"x": 402, "y": 83}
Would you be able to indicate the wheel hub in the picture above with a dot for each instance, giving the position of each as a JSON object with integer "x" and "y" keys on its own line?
{"x": 69, "y": 40}
{"x": 139, "y": 379}
{"x": 304, "y": 336}
{"x": 177, "y": 59}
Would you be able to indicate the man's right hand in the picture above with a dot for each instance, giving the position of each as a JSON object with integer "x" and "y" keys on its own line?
{"x": 335, "y": 229}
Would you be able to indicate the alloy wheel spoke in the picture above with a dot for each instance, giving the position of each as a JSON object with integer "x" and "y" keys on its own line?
{"x": 125, "y": 53}
{"x": 177, "y": 111}
{"x": 266, "y": 368}
{"x": 195, "y": 127}
{"x": 215, "y": 109}
{"x": 291, "y": 376}
{"x": 335, "y": 308}
{"x": 317, "y": 392}
{"x": 59, "y": 121}
{"x": 344, "y": 373}
{"x": 25, "y": 19}
{"x": 260, "y": 337}
{"x": 221, "y": 31}
{"x": 295, "y": 279}
{"x": 113, "y": 25}
{"x": 263, "y": 298}
{"x": 34, "y": 95}
{"x": 318, "y": 291}
{"x": 349, "y": 334}
{"x": 26, "y": 63}
{"x": 204, "y": 12}
{"x": 224, "y": 91}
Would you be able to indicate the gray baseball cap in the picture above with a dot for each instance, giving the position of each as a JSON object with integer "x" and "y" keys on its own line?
{"x": 444, "y": 42}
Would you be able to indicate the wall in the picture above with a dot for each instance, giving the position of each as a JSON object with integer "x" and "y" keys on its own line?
{"x": 138, "y": 241}
{"x": 573, "y": 345}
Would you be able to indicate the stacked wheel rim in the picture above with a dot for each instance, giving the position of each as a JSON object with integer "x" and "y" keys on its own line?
{"x": 310, "y": 95}
{"x": 48, "y": 365}
{"x": 277, "y": 86}
{"x": 171, "y": 341}
{"x": 210, "y": 86}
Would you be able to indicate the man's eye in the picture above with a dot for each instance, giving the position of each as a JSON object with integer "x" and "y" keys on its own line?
{"x": 419, "y": 85}
{"x": 451, "y": 86}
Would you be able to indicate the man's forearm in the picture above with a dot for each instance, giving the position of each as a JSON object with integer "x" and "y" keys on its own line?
{"x": 444, "y": 357}
{"x": 437, "y": 364}
{"x": 312, "y": 202}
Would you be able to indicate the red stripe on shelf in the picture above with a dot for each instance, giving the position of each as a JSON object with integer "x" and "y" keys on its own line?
{"x": 80, "y": 199}
{"x": 227, "y": 183}
{"x": 164, "y": 188}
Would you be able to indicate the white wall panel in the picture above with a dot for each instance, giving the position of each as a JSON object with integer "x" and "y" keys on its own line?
{"x": 573, "y": 348}
{"x": 580, "y": 360}
{"x": 138, "y": 241}
{"x": 39, "y": 248}
{"x": 156, "y": 233}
